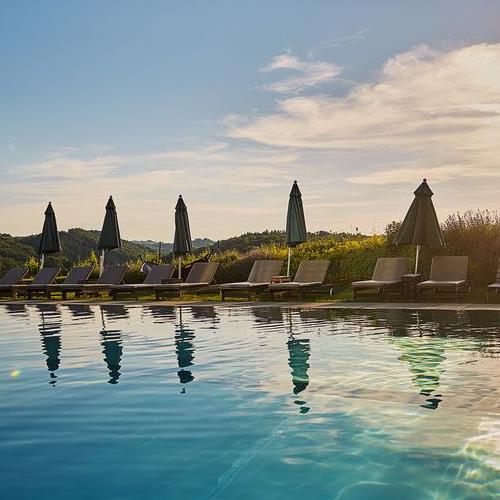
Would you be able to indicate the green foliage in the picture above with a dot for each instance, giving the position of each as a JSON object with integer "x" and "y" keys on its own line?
{"x": 32, "y": 264}
{"x": 476, "y": 234}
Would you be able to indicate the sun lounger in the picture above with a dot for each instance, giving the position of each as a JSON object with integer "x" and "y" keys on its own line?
{"x": 43, "y": 278}
{"x": 112, "y": 275}
{"x": 73, "y": 282}
{"x": 259, "y": 278}
{"x": 447, "y": 272}
{"x": 11, "y": 277}
{"x": 310, "y": 274}
{"x": 200, "y": 276}
{"x": 386, "y": 275}
{"x": 156, "y": 276}
{"x": 494, "y": 287}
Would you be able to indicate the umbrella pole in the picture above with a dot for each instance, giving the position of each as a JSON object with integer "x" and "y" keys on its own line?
{"x": 42, "y": 260}
{"x": 179, "y": 275}
{"x": 289, "y": 258}
{"x": 416, "y": 259}
{"x": 101, "y": 262}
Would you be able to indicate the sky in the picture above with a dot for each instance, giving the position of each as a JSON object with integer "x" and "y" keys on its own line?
{"x": 228, "y": 102}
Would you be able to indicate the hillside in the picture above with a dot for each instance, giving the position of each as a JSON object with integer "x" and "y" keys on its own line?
{"x": 76, "y": 243}
{"x": 166, "y": 248}
{"x": 249, "y": 241}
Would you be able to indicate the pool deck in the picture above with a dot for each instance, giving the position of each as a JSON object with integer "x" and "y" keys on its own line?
{"x": 432, "y": 306}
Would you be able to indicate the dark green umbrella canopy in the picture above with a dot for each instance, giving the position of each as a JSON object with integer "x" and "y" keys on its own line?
{"x": 110, "y": 233}
{"x": 182, "y": 237}
{"x": 295, "y": 221}
{"x": 49, "y": 242}
{"x": 421, "y": 225}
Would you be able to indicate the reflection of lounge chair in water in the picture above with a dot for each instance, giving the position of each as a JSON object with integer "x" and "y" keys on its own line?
{"x": 50, "y": 331}
{"x": 184, "y": 349}
{"x": 161, "y": 314}
{"x": 80, "y": 311}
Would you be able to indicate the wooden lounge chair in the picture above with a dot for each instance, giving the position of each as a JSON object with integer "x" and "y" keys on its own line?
{"x": 447, "y": 272}
{"x": 259, "y": 278}
{"x": 386, "y": 275}
{"x": 494, "y": 286}
{"x": 200, "y": 276}
{"x": 112, "y": 275}
{"x": 43, "y": 278}
{"x": 11, "y": 277}
{"x": 156, "y": 276}
{"x": 310, "y": 274}
{"x": 73, "y": 282}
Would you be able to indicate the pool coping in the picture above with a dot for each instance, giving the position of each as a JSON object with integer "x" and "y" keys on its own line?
{"x": 441, "y": 306}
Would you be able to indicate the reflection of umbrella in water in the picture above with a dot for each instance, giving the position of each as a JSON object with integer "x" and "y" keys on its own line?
{"x": 425, "y": 357}
{"x": 50, "y": 331}
{"x": 111, "y": 342}
{"x": 298, "y": 361}
{"x": 184, "y": 349}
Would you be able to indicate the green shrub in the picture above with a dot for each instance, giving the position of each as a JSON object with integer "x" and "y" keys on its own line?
{"x": 476, "y": 234}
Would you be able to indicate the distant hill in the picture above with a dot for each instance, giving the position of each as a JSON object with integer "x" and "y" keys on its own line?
{"x": 166, "y": 248}
{"x": 76, "y": 243}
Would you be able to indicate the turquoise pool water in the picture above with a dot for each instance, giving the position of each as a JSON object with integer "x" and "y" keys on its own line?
{"x": 118, "y": 402}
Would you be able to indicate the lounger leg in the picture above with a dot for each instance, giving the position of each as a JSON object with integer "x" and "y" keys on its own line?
{"x": 222, "y": 295}
{"x": 271, "y": 294}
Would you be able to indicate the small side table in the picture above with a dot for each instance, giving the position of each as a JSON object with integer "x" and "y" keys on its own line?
{"x": 410, "y": 282}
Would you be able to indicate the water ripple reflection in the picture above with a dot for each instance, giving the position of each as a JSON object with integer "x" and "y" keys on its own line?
{"x": 227, "y": 402}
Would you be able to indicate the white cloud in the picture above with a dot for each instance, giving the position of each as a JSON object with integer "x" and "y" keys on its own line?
{"x": 430, "y": 113}
{"x": 310, "y": 73}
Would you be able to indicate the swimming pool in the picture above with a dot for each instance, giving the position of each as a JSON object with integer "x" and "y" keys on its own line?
{"x": 240, "y": 403}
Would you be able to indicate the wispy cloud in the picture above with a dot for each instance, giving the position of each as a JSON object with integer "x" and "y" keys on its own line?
{"x": 308, "y": 73}
{"x": 333, "y": 43}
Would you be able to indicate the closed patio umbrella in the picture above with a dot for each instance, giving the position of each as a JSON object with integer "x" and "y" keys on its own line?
{"x": 110, "y": 233}
{"x": 296, "y": 232}
{"x": 49, "y": 241}
{"x": 421, "y": 226}
{"x": 182, "y": 237}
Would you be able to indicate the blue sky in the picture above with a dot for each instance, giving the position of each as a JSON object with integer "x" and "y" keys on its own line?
{"x": 228, "y": 102}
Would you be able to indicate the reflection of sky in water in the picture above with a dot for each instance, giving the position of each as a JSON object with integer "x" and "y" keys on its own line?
{"x": 229, "y": 402}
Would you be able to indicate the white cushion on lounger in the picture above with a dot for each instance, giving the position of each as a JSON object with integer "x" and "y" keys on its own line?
{"x": 433, "y": 283}
{"x": 242, "y": 285}
{"x": 374, "y": 283}
{"x": 290, "y": 285}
